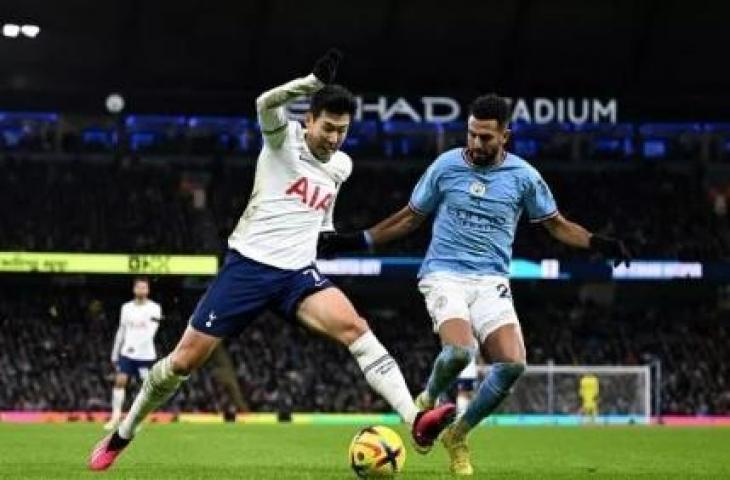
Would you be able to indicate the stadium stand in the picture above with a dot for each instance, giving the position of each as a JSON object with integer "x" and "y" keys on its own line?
{"x": 54, "y": 347}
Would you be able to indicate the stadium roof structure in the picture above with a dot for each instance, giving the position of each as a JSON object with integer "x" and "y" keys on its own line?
{"x": 203, "y": 55}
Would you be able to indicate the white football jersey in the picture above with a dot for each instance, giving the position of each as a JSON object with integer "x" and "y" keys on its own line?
{"x": 139, "y": 323}
{"x": 292, "y": 201}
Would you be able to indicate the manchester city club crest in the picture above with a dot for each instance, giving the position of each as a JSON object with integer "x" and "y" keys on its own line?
{"x": 477, "y": 188}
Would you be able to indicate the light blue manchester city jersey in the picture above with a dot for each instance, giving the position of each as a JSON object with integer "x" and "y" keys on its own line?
{"x": 476, "y": 211}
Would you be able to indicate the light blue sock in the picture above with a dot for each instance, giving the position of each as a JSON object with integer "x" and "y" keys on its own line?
{"x": 447, "y": 367}
{"x": 491, "y": 392}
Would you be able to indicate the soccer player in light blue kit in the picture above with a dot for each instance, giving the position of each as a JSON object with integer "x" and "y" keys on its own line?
{"x": 477, "y": 195}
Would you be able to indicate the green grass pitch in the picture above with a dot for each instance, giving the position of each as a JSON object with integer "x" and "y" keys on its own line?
{"x": 223, "y": 451}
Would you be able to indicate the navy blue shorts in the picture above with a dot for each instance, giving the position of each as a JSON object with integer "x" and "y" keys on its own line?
{"x": 134, "y": 368}
{"x": 244, "y": 288}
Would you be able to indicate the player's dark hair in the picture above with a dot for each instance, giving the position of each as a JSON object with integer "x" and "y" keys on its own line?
{"x": 491, "y": 107}
{"x": 334, "y": 99}
{"x": 141, "y": 279}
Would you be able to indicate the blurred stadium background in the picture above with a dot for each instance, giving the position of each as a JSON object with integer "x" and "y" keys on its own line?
{"x": 621, "y": 105}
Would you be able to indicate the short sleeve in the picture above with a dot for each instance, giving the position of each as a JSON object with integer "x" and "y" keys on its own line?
{"x": 426, "y": 194}
{"x": 538, "y": 199}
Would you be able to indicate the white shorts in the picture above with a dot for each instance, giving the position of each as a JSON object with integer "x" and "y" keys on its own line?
{"x": 483, "y": 301}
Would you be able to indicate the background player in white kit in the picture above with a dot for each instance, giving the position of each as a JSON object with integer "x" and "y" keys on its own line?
{"x": 270, "y": 264}
{"x": 133, "y": 352}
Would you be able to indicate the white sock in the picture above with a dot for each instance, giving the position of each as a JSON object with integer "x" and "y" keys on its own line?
{"x": 382, "y": 373}
{"x": 117, "y": 402}
{"x": 158, "y": 387}
{"x": 462, "y": 401}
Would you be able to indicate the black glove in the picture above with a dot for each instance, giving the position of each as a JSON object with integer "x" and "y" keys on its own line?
{"x": 611, "y": 248}
{"x": 332, "y": 243}
{"x": 325, "y": 68}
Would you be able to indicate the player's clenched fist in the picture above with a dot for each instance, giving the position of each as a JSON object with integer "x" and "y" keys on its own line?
{"x": 611, "y": 248}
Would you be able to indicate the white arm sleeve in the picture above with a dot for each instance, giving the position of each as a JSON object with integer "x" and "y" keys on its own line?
{"x": 270, "y": 107}
{"x": 118, "y": 339}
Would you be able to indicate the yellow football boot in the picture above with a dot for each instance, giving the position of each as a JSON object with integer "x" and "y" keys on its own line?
{"x": 458, "y": 451}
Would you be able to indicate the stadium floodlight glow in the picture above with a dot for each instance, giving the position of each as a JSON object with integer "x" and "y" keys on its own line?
{"x": 114, "y": 103}
{"x": 30, "y": 31}
{"x": 11, "y": 30}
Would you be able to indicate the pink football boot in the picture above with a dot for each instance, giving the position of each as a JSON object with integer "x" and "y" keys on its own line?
{"x": 106, "y": 451}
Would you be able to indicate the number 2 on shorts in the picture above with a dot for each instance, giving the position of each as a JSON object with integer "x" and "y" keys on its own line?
{"x": 503, "y": 290}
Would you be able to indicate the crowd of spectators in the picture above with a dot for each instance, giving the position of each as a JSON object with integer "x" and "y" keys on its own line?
{"x": 93, "y": 207}
{"x": 132, "y": 206}
{"x": 54, "y": 344}
{"x": 55, "y": 347}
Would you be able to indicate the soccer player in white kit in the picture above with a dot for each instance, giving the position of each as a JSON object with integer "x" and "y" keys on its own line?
{"x": 133, "y": 352}
{"x": 270, "y": 262}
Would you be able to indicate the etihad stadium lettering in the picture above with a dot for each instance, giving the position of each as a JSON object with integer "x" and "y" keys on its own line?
{"x": 436, "y": 109}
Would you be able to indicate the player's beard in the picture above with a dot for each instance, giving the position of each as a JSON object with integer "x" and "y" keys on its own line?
{"x": 482, "y": 158}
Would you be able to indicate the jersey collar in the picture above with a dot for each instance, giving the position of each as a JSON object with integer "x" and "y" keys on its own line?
{"x": 473, "y": 165}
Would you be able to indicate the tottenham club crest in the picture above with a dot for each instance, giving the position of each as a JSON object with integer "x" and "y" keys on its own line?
{"x": 477, "y": 188}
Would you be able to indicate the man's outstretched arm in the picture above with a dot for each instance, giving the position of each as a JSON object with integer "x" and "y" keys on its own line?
{"x": 573, "y": 234}
{"x": 398, "y": 225}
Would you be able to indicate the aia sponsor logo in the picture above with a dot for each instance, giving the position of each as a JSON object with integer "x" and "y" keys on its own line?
{"x": 310, "y": 194}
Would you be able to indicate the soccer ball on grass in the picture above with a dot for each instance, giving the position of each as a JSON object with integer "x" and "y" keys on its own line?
{"x": 376, "y": 452}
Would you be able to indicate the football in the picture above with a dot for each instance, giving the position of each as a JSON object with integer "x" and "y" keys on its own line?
{"x": 376, "y": 452}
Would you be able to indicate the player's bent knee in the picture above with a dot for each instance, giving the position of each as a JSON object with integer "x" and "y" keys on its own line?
{"x": 353, "y": 329}
{"x": 456, "y": 331}
{"x": 183, "y": 363}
